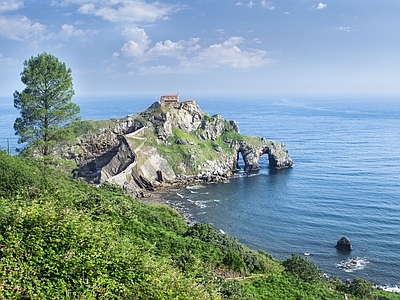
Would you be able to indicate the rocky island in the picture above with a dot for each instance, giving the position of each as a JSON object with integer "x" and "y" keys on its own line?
{"x": 170, "y": 143}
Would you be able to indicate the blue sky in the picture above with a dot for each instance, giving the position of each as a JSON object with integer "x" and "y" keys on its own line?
{"x": 126, "y": 47}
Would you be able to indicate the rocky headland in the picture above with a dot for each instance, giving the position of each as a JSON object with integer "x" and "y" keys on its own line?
{"x": 169, "y": 144}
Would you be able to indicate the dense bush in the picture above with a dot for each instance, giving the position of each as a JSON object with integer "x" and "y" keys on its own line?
{"x": 302, "y": 268}
{"x": 234, "y": 261}
{"x": 20, "y": 176}
{"x": 253, "y": 260}
{"x": 361, "y": 288}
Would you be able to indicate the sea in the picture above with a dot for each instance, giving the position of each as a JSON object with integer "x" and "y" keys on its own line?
{"x": 345, "y": 180}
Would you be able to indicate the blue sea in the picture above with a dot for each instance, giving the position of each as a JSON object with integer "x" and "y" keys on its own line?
{"x": 345, "y": 181}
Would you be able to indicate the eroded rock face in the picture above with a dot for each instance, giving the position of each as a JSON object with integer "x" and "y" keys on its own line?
{"x": 186, "y": 116}
{"x": 214, "y": 128}
{"x": 106, "y": 152}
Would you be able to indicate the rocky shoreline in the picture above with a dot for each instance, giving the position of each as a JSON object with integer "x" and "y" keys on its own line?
{"x": 156, "y": 196}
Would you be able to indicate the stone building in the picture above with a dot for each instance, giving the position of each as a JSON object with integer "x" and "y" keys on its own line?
{"x": 170, "y": 98}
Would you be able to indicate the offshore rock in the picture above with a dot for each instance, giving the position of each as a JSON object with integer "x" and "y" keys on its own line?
{"x": 278, "y": 155}
{"x": 344, "y": 244}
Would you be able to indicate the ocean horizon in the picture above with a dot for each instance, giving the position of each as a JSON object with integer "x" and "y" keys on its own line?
{"x": 345, "y": 180}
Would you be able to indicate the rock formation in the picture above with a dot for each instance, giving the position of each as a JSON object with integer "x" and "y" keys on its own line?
{"x": 278, "y": 155}
{"x": 344, "y": 244}
{"x": 169, "y": 143}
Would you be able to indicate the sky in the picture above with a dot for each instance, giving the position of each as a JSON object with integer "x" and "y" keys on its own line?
{"x": 129, "y": 47}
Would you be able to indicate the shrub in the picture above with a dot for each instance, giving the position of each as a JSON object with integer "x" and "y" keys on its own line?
{"x": 302, "y": 268}
{"x": 112, "y": 187}
{"x": 253, "y": 260}
{"x": 232, "y": 290}
{"x": 19, "y": 175}
{"x": 233, "y": 261}
{"x": 361, "y": 288}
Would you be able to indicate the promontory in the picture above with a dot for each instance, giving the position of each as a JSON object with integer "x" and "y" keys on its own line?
{"x": 169, "y": 143}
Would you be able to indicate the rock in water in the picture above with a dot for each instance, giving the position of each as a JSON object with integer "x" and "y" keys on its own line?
{"x": 344, "y": 244}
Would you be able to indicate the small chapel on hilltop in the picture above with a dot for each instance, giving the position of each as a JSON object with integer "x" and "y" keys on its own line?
{"x": 170, "y": 98}
{"x": 173, "y": 98}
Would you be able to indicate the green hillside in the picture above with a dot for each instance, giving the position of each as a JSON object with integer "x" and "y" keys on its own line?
{"x": 64, "y": 239}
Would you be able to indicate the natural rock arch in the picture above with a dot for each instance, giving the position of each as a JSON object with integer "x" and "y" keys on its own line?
{"x": 278, "y": 155}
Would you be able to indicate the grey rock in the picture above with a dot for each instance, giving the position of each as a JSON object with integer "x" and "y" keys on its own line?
{"x": 182, "y": 142}
{"x": 344, "y": 244}
{"x": 278, "y": 156}
{"x": 217, "y": 148}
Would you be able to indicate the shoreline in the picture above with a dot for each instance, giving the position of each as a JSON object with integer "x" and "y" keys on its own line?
{"x": 156, "y": 197}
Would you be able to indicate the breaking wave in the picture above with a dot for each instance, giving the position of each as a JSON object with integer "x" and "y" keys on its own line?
{"x": 353, "y": 264}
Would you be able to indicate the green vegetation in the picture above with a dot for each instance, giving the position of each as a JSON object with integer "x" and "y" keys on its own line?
{"x": 63, "y": 239}
{"x": 196, "y": 151}
{"x": 47, "y": 112}
{"x": 302, "y": 268}
{"x": 86, "y": 126}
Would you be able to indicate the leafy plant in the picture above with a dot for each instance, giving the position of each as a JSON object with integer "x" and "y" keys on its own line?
{"x": 361, "y": 288}
{"x": 302, "y": 268}
{"x": 233, "y": 261}
{"x": 230, "y": 247}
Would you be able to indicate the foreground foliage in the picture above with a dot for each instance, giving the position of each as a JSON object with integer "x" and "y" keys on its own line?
{"x": 63, "y": 239}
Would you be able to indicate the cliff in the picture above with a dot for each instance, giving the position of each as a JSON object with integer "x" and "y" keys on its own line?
{"x": 170, "y": 143}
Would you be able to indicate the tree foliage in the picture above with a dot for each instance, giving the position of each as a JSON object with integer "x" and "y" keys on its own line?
{"x": 236, "y": 255}
{"x": 302, "y": 268}
{"x": 361, "y": 288}
{"x": 45, "y": 104}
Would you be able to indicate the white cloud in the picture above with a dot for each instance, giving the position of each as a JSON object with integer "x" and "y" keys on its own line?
{"x": 138, "y": 42}
{"x": 69, "y": 31}
{"x": 87, "y": 9}
{"x": 168, "y": 48}
{"x": 21, "y": 28}
{"x": 319, "y": 6}
{"x": 250, "y": 4}
{"x": 128, "y": 11}
{"x": 267, "y": 5}
{"x": 10, "y": 5}
{"x": 227, "y": 54}
{"x": 344, "y": 28}
{"x": 138, "y": 46}
{"x": 264, "y": 3}
{"x": 178, "y": 49}
{"x": 188, "y": 55}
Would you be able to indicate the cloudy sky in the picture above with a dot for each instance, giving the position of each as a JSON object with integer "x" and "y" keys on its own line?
{"x": 124, "y": 47}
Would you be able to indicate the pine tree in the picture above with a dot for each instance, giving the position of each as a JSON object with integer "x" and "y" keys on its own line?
{"x": 45, "y": 105}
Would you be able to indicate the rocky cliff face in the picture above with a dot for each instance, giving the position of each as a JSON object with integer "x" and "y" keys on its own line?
{"x": 171, "y": 142}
